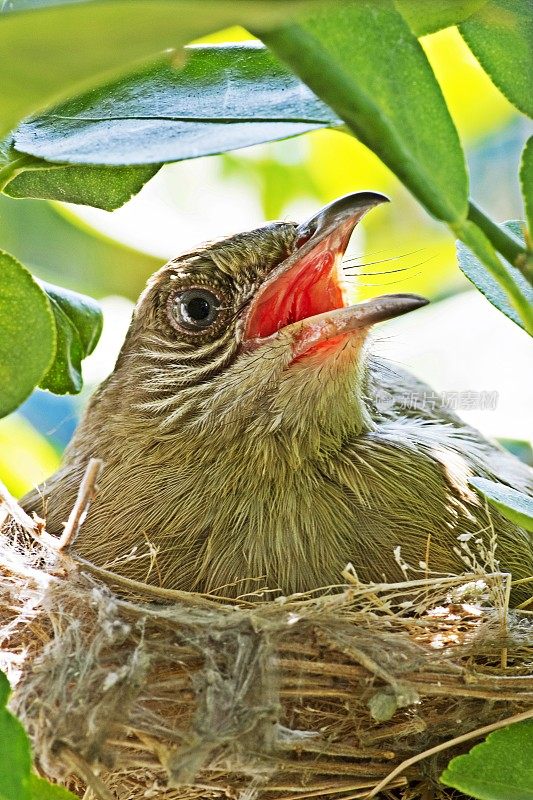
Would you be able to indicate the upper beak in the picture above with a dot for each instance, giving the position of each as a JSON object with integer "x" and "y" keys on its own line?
{"x": 303, "y": 296}
{"x": 344, "y": 212}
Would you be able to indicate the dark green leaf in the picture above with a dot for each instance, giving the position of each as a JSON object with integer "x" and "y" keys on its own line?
{"x": 500, "y": 34}
{"x": 475, "y": 270}
{"x": 102, "y": 266}
{"x": 526, "y": 182}
{"x": 42, "y": 790}
{"x": 500, "y": 768}
{"x": 226, "y": 97}
{"x": 362, "y": 59}
{"x": 37, "y": 46}
{"x": 27, "y": 336}
{"x": 15, "y": 756}
{"x": 514, "y": 505}
{"x": 78, "y": 321}
{"x": 428, "y": 16}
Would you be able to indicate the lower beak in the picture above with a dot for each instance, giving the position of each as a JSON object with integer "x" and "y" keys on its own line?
{"x": 302, "y": 297}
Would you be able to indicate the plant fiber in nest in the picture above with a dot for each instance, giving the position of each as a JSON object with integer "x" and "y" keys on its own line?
{"x": 131, "y": 692}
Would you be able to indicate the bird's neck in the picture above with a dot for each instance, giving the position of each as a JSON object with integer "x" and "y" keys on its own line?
{"x": 246, "y": 470}
{"x": 304, "y": 419}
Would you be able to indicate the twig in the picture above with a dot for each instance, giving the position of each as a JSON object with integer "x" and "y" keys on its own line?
{"x": 324, "y": 748}
{"x": 35, "y": 527}
{"x": 173, "y": 595}
{"x": 446, "y": 580}
{"x": 521, "y": 581}
{"x": 84, "y": 771}
{"x": 446, "y": 745}
{"x": 86, "y": 494}
{"x": 320, "y": 789}
{"x": 426, "y": 567}
{"x": 405, "y": 694}
{"x": 505, "y": 619}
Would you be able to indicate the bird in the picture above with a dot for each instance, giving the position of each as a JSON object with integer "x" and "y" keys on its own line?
{"x": 244, "y": 443}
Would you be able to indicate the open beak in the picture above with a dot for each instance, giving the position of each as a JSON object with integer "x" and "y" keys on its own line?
{"x": 303, "y": 298}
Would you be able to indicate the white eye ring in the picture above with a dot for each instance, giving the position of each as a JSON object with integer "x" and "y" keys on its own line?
{"x": 194, "y": 309}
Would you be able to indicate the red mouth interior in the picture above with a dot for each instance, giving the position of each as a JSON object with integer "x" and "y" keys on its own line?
{"x": 309, "y": 287}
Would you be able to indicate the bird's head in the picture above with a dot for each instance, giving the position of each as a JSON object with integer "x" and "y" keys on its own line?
{"x": 252, "y": 334}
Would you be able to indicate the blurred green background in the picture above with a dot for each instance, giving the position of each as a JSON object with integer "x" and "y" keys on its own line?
{"x": 459, "y": 344}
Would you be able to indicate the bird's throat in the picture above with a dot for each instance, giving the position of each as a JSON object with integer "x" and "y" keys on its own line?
{"x": 311, "y": 287}
{"x": 306, "y": 286}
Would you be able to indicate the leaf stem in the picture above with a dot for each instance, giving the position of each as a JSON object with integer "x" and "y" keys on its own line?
{"x": 503, "y": 241}
{"x": 12, "y": 168}
{"x": 477, "y": 240}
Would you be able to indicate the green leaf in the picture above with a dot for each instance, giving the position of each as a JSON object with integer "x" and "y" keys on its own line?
{"x": 78, "y": 321}
{"x": 27, "y": 335}
{"x": 37, "y": 66}
{"x": 495, "y": 285}
{"x": 16, "y": 780}
{"x": 500, "y": 768}
{"x": 428, "y": 16}
{"x": 42, "y": 790}
{"x": 46, "y": 332}
{"x": 103, "y": 265}
{"x": 22, "y": 175}
{"x": 225, "y": 97}
{"x": 362, "y": 59}
{"x": 520, "y": 448}
{"x": 514, "y": 505}
{"x": 100, "y": 187}
{"x": 5, "y": 690}
{"x": 15, "y": 756}
{"x": 500, "y": 35}
{"x": 526, "y": 182}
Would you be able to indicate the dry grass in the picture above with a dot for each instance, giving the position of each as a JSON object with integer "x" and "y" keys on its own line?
{"x": 129, "y": 692}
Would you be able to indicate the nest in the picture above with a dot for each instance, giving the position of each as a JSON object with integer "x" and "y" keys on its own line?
{"x": 128, "y": 691}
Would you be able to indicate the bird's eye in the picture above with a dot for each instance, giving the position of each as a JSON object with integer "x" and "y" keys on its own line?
{"x": 195, "y": 309}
